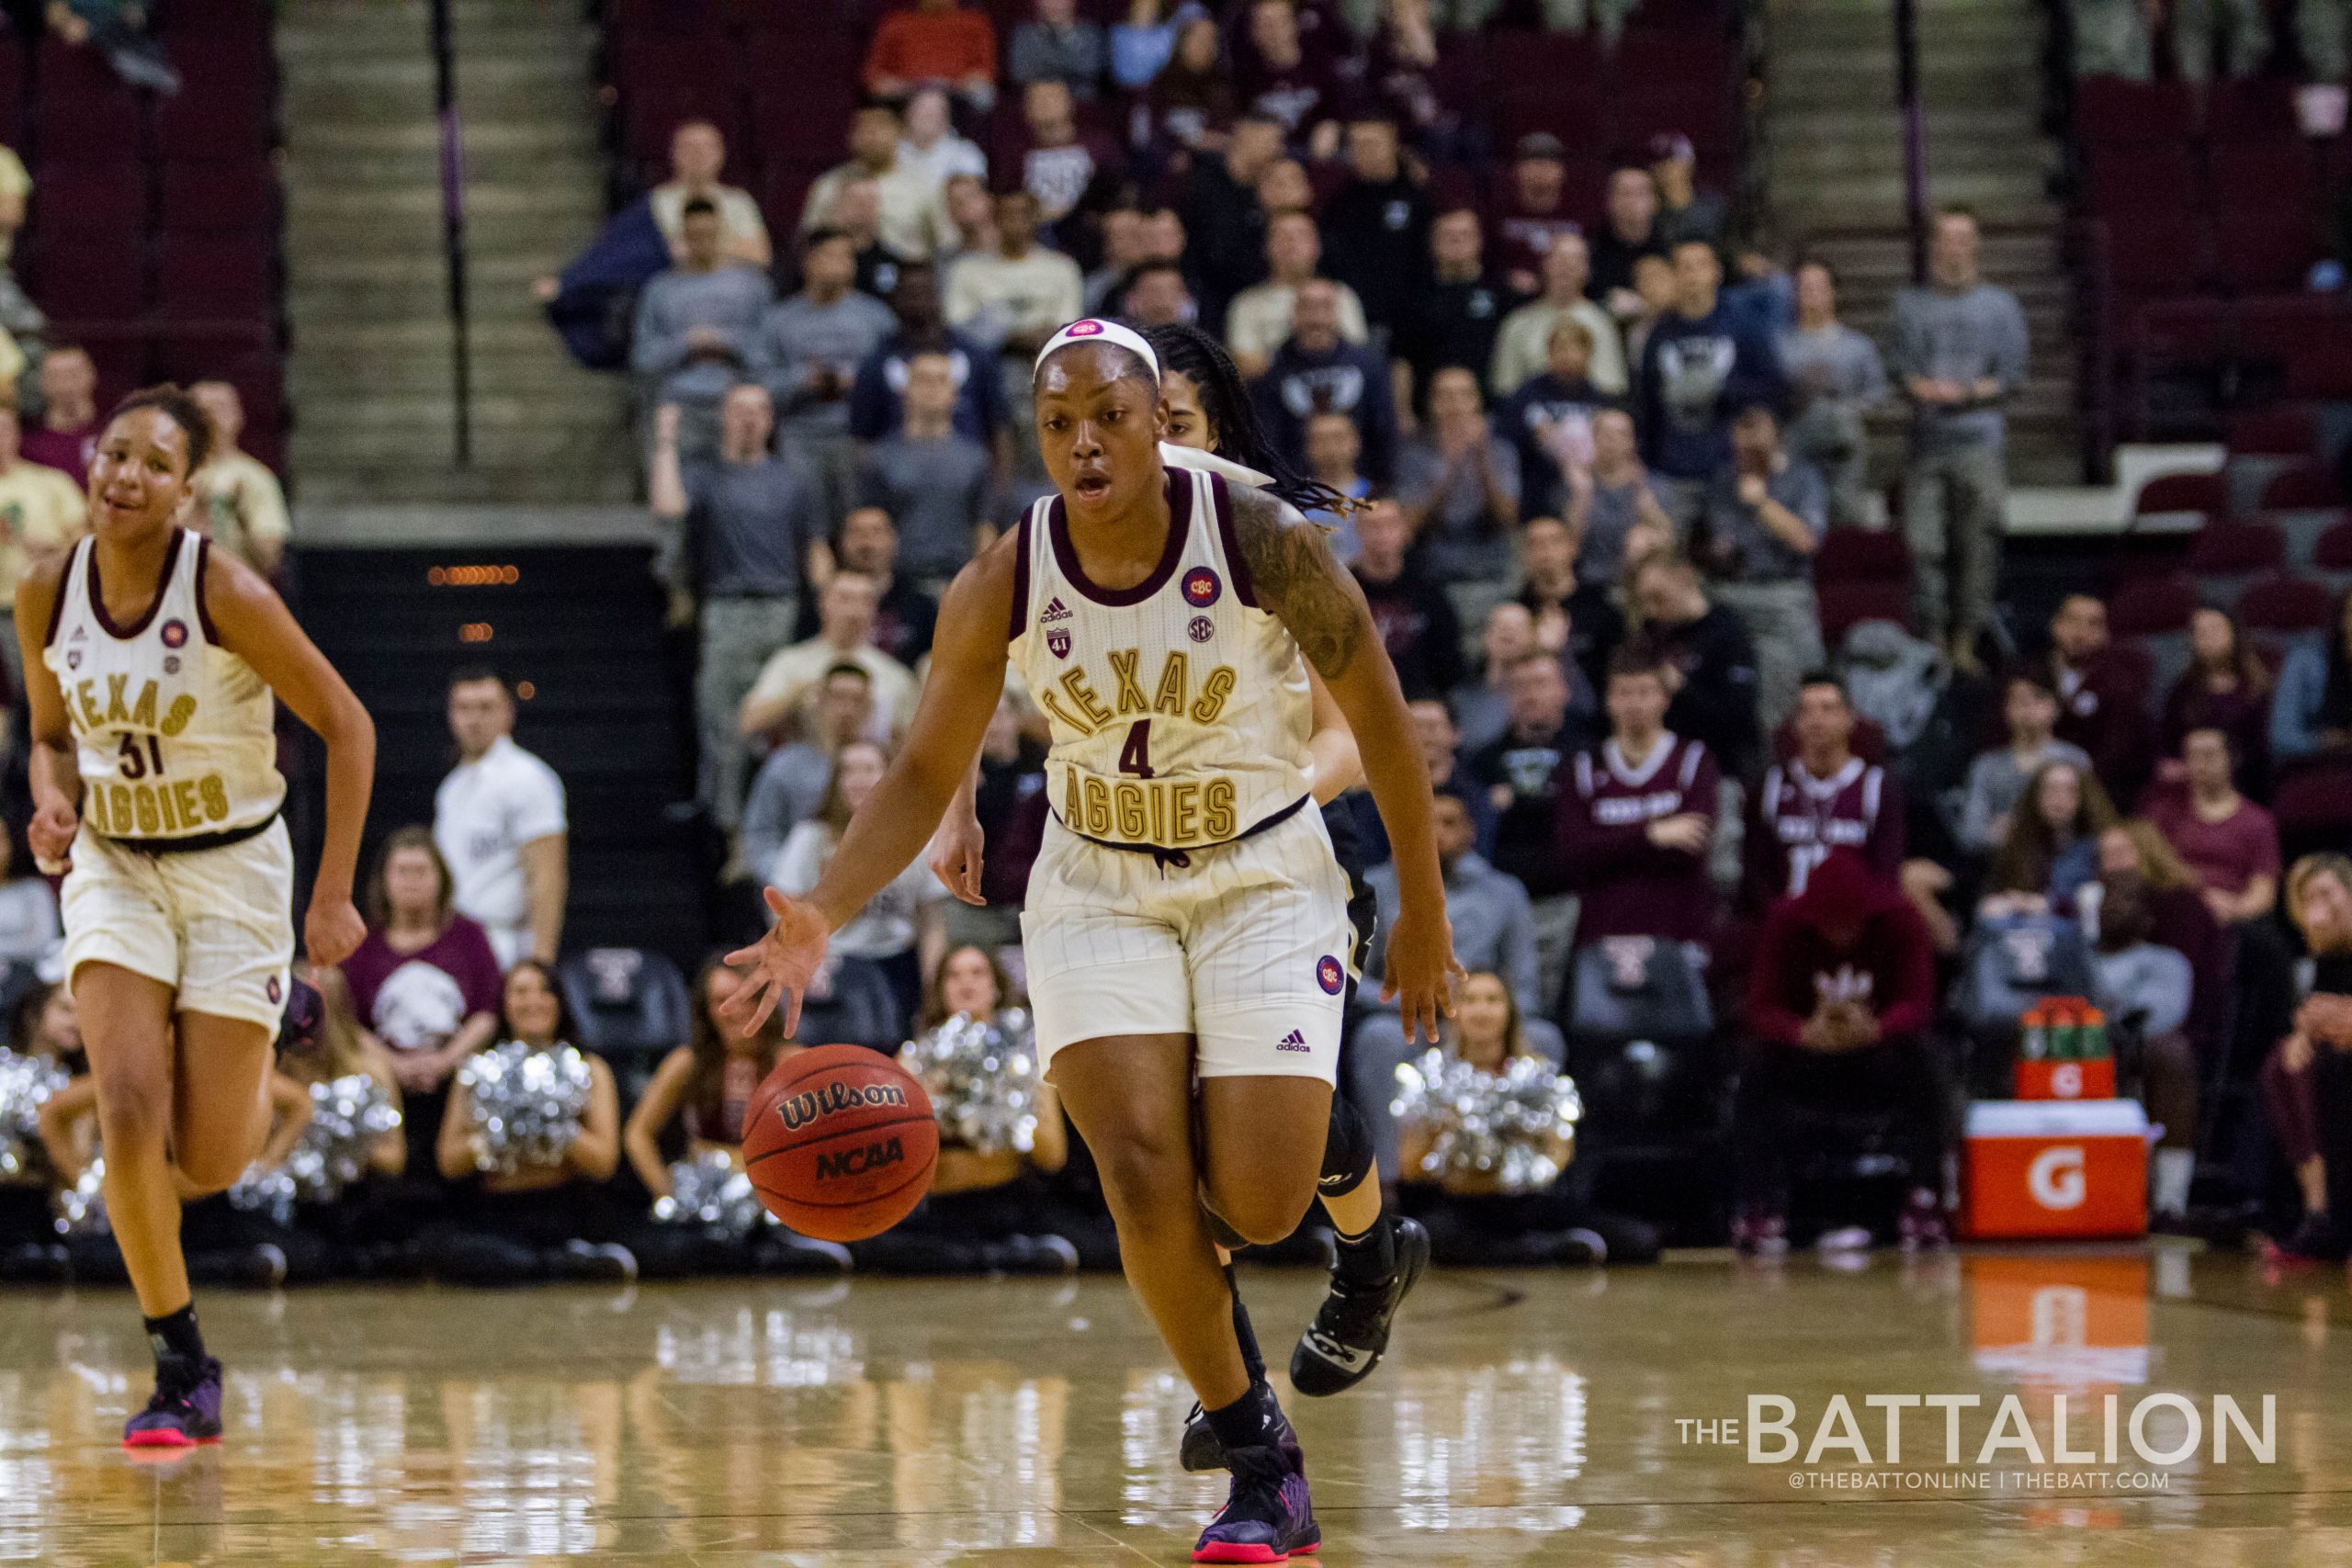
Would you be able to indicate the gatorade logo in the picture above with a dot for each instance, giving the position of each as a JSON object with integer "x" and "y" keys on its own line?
{"x": 2066, "y": 1080}
{"x": 2056, "y": 1178}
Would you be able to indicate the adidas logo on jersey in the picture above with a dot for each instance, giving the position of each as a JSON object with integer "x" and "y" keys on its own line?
{"x": 1055, "y": 610}
{"x": 1294, "y": 1041}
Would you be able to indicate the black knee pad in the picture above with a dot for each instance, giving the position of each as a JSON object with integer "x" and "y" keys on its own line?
{"x": 1347, "y": 1150}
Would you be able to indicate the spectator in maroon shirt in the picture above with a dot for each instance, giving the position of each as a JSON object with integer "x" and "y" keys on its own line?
{"x": 2232, "y": 846}
{"x": 2101, "y": 706}
{"x": 1839, "y": 1004}
{"x": 2226, "y": 687}
{"x": 1823, "y": 799}
{"x": 1637, "y": 817}
{"x": 1066, "y": 166}
{"x": 424, "y": 981}
{"x": 1281, "y": 75}
{"x": 67, "y": 437}
{"x": 1532, "y": 212}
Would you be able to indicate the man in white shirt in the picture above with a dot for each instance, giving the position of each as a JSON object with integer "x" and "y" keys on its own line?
{"x": 931, "y": 147}
{"x": 1259, "y": 320}
{"x": 1522, "y": 345}
{"x": 243, "y": 504}
{"x": 913, "y": 223}
{"x": 790, "y": 679}
{"x": 498, "y": 819}
{"x": 697, "y": 156}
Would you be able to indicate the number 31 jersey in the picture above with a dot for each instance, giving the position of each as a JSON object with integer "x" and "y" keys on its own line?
{"x": 1179, "y": 709}
{"x": 175, "y": 734}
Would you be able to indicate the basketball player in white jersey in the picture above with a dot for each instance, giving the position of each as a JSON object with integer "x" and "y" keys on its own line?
{"x": 149, "y": 664}
{"x": 1185, "y": 916}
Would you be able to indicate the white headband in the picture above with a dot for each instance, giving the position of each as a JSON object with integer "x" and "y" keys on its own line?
{"x": 1093, "y": 329}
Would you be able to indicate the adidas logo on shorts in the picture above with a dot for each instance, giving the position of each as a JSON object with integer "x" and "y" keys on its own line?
{"x": 1055, "y": 610}
{"x": 1294, "y": 1041}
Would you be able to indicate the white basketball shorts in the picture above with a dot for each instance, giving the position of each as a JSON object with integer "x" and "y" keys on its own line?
{"x": 216, "y": 925}
{"x": 1245, "y": 948}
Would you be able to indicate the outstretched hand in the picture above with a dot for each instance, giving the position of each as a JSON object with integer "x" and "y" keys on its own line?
{"x": 779, "y": 966}
{"x": 1421, "y": 974}
{"x": 954, "y": 855}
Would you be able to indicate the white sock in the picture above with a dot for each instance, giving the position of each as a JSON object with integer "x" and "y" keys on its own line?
{"x": 2174, "y": 1169}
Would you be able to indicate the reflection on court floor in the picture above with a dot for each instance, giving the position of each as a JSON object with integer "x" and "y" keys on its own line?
{"x": 1541, "y": 1418}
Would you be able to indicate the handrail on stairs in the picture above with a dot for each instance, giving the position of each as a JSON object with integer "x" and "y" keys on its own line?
{"x": 453, "y": 224}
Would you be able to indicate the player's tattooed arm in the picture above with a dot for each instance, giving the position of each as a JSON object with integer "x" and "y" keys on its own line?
{"x": 1296, "y": 578}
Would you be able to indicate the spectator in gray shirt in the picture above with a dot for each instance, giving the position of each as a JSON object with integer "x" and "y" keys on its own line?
{"x": 807, "y": 352}
{"x": 1060, "y": 46}
{"x": 1610, "y": 496}
{"x": 938, "y": 486}
{"x": 1836, "y": 377}
{"x": 695, "y": 324}
{"x": 1459, "y": 484}
{"x": 791, "y": 784}
{"x": 1959, "y": 353}
{"x": 1997, "y": 779}
{"x": 749, "y": 522}
{"x": 1764, "y": 518}
{"x": 1494, "y": 929}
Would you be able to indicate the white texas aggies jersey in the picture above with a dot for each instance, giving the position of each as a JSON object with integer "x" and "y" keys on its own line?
{"x": 1179, "y": 709}
{"x": 175, "y": 734}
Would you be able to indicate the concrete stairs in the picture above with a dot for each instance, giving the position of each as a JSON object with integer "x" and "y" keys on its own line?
{"x": 1832, "y": 145}
{"x": 372, "y": 365}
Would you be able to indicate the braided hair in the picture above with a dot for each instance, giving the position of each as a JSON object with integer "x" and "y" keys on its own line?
{"x": 1199, "y": 359}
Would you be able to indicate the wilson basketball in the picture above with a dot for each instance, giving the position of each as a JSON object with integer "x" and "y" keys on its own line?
{"x": 839, "y": 1143}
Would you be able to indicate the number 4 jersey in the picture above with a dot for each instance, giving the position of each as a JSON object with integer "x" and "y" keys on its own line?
{"x": 174, "y": 732}
{"x": 1179, "y": 708}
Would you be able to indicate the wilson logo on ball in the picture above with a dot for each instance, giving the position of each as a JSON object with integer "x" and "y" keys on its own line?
{"x": 857, "y": 1162}
{"x": 1201, "y": 587}
{"x": 806, "y": 1110}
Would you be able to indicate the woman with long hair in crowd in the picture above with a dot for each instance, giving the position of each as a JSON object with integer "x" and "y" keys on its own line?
{"x": 538, "y": 1222}
{"x": 901, "y": 930}
{"x": 707, "y": 1086}
{"x": 2307, "y": 1081}
{"x": 2312, "y": 711}
{"x": 2051, "y": 848}
{"x": 1472, "y": 1221}
{"x": 424, "y": 982}
{"x": 988, "y": 1210}
{"x": 2226, "y": 687}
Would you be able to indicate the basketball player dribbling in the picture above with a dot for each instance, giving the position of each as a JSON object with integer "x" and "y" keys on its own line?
{"x": 1378, "y": 1261}
{"x": 151, "y": 661}
{"x": 1185, "y": 917}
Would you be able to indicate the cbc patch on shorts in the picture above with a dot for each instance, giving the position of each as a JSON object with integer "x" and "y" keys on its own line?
{"x": 1329, "y": 975}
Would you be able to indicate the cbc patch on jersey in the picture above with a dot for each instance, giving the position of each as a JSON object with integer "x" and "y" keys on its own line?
{"x": 1329, "y": 975}
{"x": 176, "y": 634}
{"x": 1202, "y": 587}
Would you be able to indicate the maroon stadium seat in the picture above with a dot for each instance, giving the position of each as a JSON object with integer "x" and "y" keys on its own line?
{"x": 671, "y": 17}
{"x": 2136, "y": 177}
{"x": 2208, "y": 493}
{"x": 205, "y": 278}
{"x": 90, "y": 201}
{"x": 2307, "y": 484}
{"x": 2333, "y": 550}
{"x": 76, "y": 281}
{"x": 2146, "y": 606}
{"x": 2314, "y": 798}
{"x": 99, "y": 126}
{"x": 1844, "y": 605}
{"x": 2282, "y": 431}
{"x": 2262, "y": 252}
{"x": 12, "y": 90}
{"x": 1862, "y": 555}
{"x": 2155, "y": 254}
{"x": 210, "y": 123}
{"x": 2237, "y": 548}
{"x": 2256, "y": 110}
{"x": 2283, "y": 604}
{"x": 2109, "y": 109}
{"x": 218, "y": 199}
{"x": 2254, "y": 177}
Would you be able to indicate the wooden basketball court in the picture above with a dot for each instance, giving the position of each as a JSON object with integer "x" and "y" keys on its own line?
{"x": 1524, "y": 1418}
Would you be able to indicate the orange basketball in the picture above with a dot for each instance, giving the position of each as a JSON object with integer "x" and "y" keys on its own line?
{"x": 839, "y": 1143}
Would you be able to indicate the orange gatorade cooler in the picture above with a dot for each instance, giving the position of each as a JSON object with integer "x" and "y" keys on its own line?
{"x": 2056, "y": 1168}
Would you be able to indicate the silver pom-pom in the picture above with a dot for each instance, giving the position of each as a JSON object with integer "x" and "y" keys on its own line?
{"x": 526, "y": 1105}
{"x": 347, "y": 1115}
{"x": 709, "y": 1193}
{"x": 82, "y": 1208}
{"x": 26, "y": 1084}
{"x": 1498, "y": 1129}
{"x": 983, "y": 1079}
